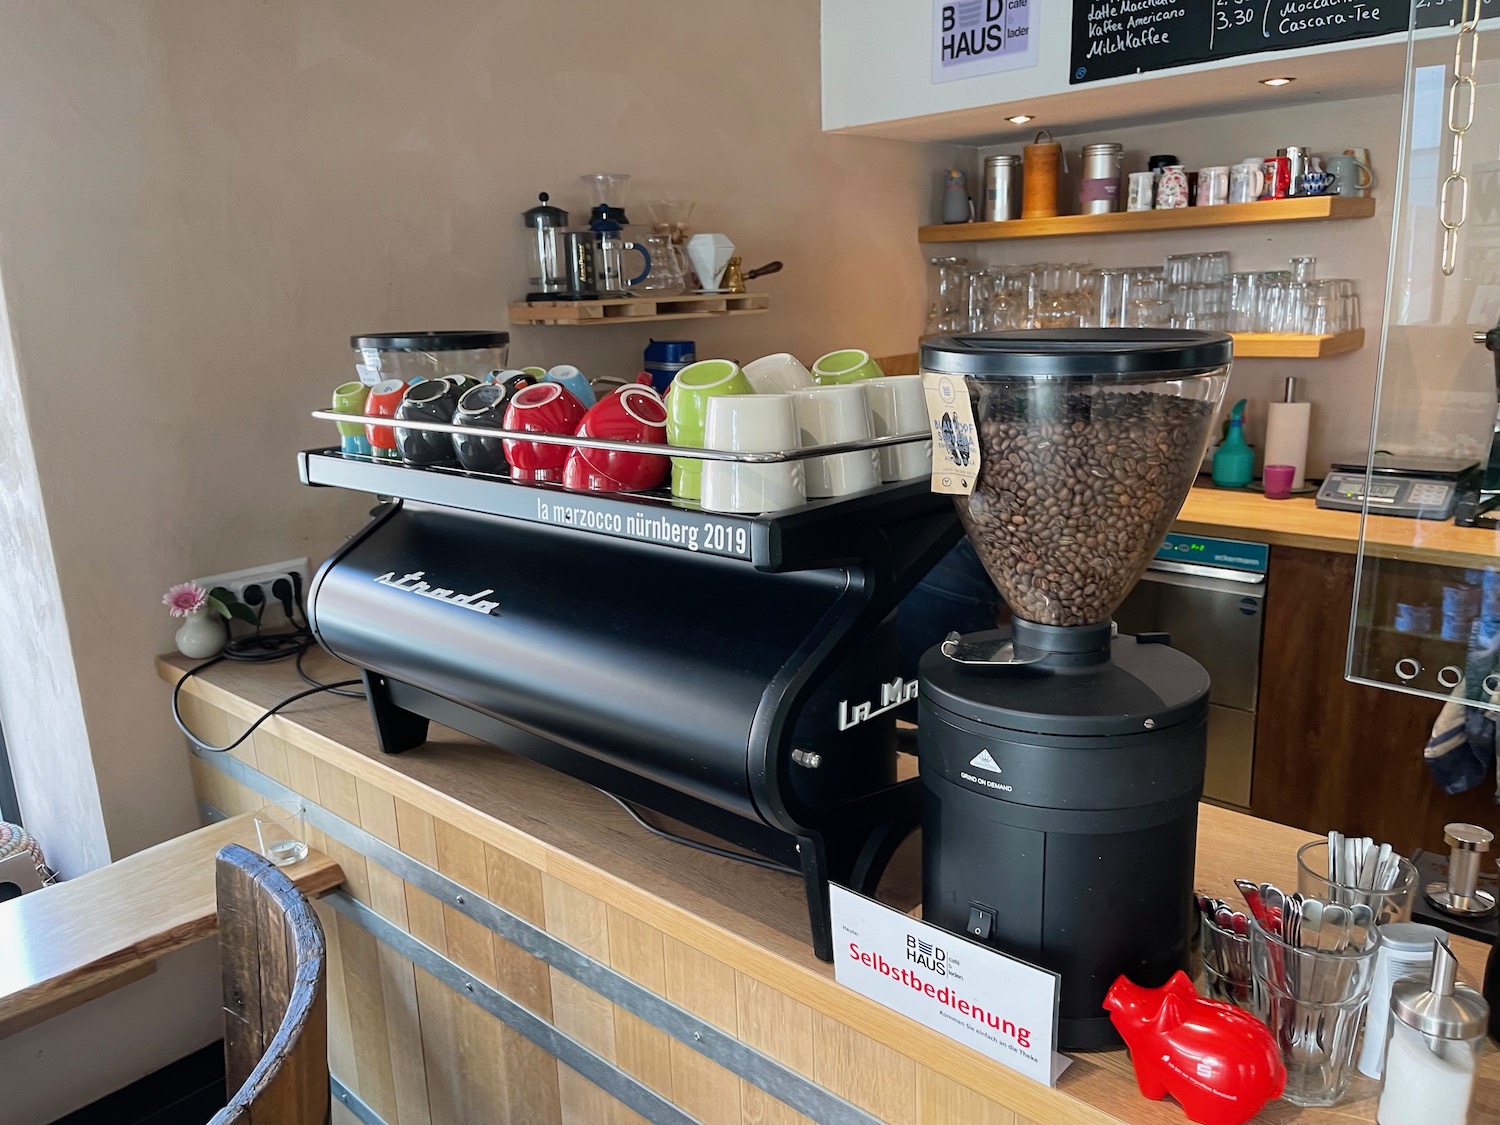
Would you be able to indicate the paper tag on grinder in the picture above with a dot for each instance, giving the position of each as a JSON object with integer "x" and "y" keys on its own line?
{"x": 955, "y": 441}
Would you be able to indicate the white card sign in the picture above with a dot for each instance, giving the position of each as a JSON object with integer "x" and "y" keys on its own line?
{"x": 1003, "y": 1008}
{"x": 973, "y": 37}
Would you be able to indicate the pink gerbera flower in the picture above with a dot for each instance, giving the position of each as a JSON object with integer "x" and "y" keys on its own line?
{"x": 185, "y": 597}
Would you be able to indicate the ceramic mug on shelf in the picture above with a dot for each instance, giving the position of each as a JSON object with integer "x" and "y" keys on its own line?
{"x": 1278, "y": 177}
{"x": 482, "y": 406}
{"x": 897, "y": 406}
{"x": 1213, "y": 185}
{"x": 1246, "y": 181}
{"x": 1316, "y": 183}
{"x": 349, "y": 398}
{"x": 1172, "y": 188}
{"x": 778, "y": 373}
{"x": 1353, "y": 177}
{"x": 382, "y": 402}
{"x": 1142, "y": 192}
{"x": 758, "y": 423}
{"x": 687, "y": 415}
{"x": 547, "y": 408}
{"x": 848, "y": 365}
{"x": 827, "y": 415}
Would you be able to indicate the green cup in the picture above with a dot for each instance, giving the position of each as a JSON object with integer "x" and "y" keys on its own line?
{"x": 847, "y": 366}
{"x": 537, "y": 373}
{"x": 687, "y": 414}
{"x": 349, "y": 398}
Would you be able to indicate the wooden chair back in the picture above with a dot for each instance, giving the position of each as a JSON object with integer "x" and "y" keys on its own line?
{"x": 275, "y": 1000}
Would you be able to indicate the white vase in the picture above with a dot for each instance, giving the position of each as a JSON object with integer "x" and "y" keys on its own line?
{"x": 202, "y": 635}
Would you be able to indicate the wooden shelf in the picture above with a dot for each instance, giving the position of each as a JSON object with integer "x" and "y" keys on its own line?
{"x": 637, "y": 310}
{"x": 1263, "y": 345}
{"x": 1303, "y": 209}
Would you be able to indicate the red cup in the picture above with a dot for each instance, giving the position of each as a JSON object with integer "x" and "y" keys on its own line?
{"x": 382, "y": 403}
{"x": 544, "y": 408}
{"x": 1278, "y": 481}
{"x": 1278, "y": 171}
{"x": 632, "y": 413}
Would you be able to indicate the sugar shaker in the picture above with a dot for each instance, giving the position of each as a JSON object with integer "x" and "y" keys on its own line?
{"x": 1432, "y": 1053}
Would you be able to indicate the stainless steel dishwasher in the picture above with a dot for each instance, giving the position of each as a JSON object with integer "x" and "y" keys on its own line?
{"x": 1209, "y": 596}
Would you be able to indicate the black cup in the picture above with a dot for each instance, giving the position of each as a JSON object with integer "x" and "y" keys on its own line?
{"x": 462, "y": 383}
{"x": 483, "y": 406}
{"x": 432, "y": 400}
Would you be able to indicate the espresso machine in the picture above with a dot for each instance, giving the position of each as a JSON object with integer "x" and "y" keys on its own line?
{"x": 1062, "y": 763}
{"x": 736, "y": 673}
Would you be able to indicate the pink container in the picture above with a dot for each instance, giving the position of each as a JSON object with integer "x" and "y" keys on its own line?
{"x": 1278, "y": 481}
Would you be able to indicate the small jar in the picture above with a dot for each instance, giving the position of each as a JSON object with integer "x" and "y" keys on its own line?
{"x": 1432, "y": 1052}
{"x": 1099, "y": 186}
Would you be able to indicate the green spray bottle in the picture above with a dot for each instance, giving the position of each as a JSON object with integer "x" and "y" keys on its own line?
{"x": 1234, "y": 461}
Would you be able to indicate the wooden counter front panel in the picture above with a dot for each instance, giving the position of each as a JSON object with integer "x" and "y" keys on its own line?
{"x": 418, "y": 1054}
{"x": 1330, "y": 754}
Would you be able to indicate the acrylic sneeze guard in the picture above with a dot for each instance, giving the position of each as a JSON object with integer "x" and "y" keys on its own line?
{"x": 1426, "y": 614}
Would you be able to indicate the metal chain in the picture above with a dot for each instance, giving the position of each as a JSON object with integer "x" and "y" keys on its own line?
{"x": 1453, "y": 207}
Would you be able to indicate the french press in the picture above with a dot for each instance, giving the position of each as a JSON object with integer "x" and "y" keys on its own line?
{"x": 546, "y": 272}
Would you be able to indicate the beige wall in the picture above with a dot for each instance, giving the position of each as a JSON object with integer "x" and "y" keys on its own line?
{"x": 200, "y": 202}
{"x": 1341, "y": 389}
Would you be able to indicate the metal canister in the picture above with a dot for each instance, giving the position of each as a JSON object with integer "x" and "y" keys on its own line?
{"x": 1297, "y": 158}
{"x": 1002, "y": 188}
{"x": 1099, "y": 186}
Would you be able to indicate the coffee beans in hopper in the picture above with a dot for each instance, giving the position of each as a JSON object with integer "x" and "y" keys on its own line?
{"x": 1075, "y": 492}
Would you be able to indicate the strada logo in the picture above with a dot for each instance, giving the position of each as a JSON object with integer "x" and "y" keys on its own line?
{"x": 413, "y": 584}
{"x": 892, "y": 695}
{"x": 927, "y": 954}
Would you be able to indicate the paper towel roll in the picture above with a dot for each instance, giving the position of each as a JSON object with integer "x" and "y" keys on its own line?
{"x": 1286, "y": 436}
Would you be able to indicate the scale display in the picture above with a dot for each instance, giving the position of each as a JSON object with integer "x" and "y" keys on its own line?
{"x": 1414, "y": 497}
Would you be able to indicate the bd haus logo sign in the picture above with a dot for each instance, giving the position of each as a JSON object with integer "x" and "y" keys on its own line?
{"x": 929, "y": 955}
{"x": 979, "y": 36}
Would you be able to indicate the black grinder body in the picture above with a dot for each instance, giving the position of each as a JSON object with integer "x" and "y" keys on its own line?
{"x": 1061, "y": 815}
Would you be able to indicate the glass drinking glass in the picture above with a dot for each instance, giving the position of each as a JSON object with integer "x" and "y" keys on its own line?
{"x": 980, "y": 289}
{"x": 1225, "y": 957}
{"x": 1393, "y": 905}
{"x": 947, "y": 295}
{"x": 1211, "y": 266}
{"x": 1313, "y": 1001}
{"x": 280, "y": 832}
{"x": 1148, "y": 305}
{"x": 1109, "y": 299}
{"x": 1304, "y": 269}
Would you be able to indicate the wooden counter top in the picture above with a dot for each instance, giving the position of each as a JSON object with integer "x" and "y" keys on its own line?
{"x": 751, "y": 920}
{"x": 1299, "y": 522}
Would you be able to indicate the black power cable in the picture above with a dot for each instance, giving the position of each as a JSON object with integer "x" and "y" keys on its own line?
{"x": 261, "y": 648}
{"x": 697, "y": 845}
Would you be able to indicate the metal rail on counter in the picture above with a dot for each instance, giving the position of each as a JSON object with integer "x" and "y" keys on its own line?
{"x": 690, "y": 452}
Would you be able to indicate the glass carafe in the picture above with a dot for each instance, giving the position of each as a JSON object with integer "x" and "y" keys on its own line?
{"x": 667, "y": 276}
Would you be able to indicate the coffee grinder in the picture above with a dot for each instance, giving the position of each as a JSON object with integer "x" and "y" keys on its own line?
{"x": 1062, "y": 764}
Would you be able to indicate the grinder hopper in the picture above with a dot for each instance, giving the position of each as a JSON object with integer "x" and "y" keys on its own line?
{"x": 1087, "y": 442}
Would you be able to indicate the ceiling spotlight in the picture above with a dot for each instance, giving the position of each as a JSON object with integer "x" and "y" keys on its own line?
{"x": 1020, "y": 119}
{"x": 1276, "y": 81}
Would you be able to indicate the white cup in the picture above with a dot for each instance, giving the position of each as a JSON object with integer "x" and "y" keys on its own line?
{"x": 897, "y": 406}
{"x": 1213, "y": 185}
{"x": 752, "y": 424}
{"x": 777, "y": 374}
{"x": 1142, "y": 192}
{"x": 834, "y": 413}
{"x": 1246, "y": 181}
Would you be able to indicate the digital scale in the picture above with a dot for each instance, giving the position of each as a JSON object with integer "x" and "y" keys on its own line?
{"x": 1424, "y": 488}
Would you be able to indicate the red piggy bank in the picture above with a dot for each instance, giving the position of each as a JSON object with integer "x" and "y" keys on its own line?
{"x": 1220, "y": 1063}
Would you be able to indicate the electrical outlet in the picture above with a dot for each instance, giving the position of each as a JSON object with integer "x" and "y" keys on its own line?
{"x": 237, "y": 581}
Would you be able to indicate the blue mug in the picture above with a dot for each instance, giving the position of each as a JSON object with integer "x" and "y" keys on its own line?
{"x": 1317, "y": 183}
{"x": 575, "y": 381}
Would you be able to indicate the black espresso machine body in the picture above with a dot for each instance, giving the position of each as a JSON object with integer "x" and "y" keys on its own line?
{"x": 737, "y": 673}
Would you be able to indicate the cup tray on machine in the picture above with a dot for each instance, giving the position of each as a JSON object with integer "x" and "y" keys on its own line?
{"x": 819, "y": 533}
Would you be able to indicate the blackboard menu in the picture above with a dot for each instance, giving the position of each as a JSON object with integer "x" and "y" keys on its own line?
{"x": 1118, "y": 37}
